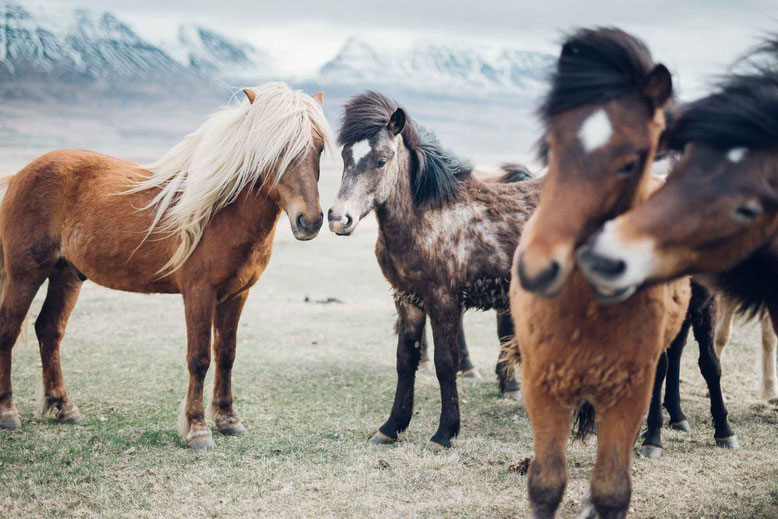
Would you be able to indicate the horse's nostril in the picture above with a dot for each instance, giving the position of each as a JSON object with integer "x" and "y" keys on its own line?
{"x": 329, "y": 215}
{"x": 300, "y": 222}
{"x": 606, "y": 267}
{"x": 541, "y": 281}
{"x": 349, "y": 220}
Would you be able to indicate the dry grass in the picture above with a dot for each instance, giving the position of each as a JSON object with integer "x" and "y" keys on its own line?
{"x": 313, "y": 382}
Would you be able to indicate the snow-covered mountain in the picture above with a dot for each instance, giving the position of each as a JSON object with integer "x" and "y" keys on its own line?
{"x": 78, "y": 44}
{"x": 207, "y": 52}
{"x": 456, "y": 70}
{"x": 42, "y": 47}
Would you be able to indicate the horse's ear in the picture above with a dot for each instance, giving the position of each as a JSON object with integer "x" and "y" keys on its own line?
{"x": 658, "y": 86}
{"x": 319, "y": 96}
{"x": 250, "y": 94}
{"x": 397, "y": 121}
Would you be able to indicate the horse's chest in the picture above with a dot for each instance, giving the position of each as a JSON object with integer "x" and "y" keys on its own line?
{"x": 574, "y": 348}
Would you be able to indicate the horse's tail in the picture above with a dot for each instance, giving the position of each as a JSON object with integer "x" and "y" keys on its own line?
{"x": 510, "y": 355}
{"x": 4, "y": 181}
{"x": 514, "y": 172}
{"x": 584, "y": 424}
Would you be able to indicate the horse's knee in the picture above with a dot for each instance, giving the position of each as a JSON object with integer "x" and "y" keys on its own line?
{"x": 546, "y": 485}
{"x": 199, "y": 364}
{"x": 46, "y": 331}
{"x": 611, "y": 495}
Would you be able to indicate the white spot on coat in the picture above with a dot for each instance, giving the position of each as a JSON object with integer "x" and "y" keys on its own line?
{"x": 736, "y": 154}
{"x": 359, "y": 150}
{"x": 595, "y": 131}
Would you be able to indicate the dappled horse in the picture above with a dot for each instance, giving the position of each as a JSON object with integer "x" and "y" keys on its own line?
{"x": 604, "y": 115}
{"x": 508, "y": 385}
{"x": 445, "y": 240}
{"x": 199, "y": 222}
{"x": 718, "y": 212}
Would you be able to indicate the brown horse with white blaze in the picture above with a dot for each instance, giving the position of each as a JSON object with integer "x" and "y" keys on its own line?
{"x": 718, "y": 213}
{"x": 604, "y": 115}
{"x": 199, "y": 222}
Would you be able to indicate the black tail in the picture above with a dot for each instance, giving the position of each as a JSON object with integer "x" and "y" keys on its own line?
{"x": 513, "y": 172}
{"x": 584, "y": 424}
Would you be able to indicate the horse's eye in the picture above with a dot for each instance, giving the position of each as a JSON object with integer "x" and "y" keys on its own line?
{"x": 748, "y": 211}
{"x": 381, "y": 163}
{"x": 630, "y": 168}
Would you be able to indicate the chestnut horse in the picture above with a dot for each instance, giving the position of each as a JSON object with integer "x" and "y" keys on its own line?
{"x": 604, "y": 115}
{"x": 198, "y": 222}
{"x": 445, "y": 241}
{"x": 718, "y": 212}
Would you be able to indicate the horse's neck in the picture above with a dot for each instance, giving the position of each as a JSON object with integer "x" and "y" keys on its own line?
{"x": 252, "y": 215}
{"x": 398, "y": 218}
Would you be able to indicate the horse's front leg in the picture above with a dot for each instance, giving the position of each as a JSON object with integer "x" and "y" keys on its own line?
{"x": 410, "y": 330}
{"x": 225, "y": 327}
{"x": 445, "y": 318}
{"x": 611, "y": 489}
{"x": 547, "y": 476}
{"x": 199, "y": 305}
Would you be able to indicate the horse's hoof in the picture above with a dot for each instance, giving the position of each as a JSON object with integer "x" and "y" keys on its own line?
{"x": 201, "y": 443}
{"x": 512, "y": 395}
{"x": 682, "y": 426}
{"x": 426, "y": 367}
{"x": 651, "y": 452}
{"x": 435, "y": 446}
{"x": 380, "y": 438}
{"x": 728, "y": 443}
{"x": 471, "y": 373}
{"x": 11, "y": 422}
{"x": 235, "y": 429}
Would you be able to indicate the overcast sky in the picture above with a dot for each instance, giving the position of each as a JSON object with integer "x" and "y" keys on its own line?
{"x": 695, "y": 38}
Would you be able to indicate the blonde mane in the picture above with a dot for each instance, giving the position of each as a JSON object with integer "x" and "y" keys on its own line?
{"x": 240, "y": 145}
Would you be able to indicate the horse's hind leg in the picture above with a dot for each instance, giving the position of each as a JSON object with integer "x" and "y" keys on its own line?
{"x": 19, "y": 294}
{"x": 769, "y": 382}
{"x": 672, "y": 400}
{"x": 703, "y": 324}
{"x": 64, "y": 286}
{"x": 425, "y": 363}
{"x": 509, "y": 386}
{"x": 409, "y": 334}
{"x": 225, "y": 327}
{"x": 547, "y": 476}
{"x": 726, "y": 313}
{"x": 465, "y": 365}
{"x": 652, "y": 439}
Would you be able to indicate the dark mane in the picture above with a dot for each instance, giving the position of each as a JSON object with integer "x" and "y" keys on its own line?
{"x": 595, "y": 66}
{"x": 742, "y": 112}
{"x": 435, "y": 172}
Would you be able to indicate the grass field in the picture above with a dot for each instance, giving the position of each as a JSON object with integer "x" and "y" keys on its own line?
{"x": 313, "y": 381}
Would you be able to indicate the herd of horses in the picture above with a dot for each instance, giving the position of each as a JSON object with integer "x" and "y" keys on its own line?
{"x": 588, "y": 267}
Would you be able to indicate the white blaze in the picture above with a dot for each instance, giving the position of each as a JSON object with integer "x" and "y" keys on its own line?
{"x": 360, "y": 149}
{"x": 736, "y": 154}
{"x": 595, "y": 131}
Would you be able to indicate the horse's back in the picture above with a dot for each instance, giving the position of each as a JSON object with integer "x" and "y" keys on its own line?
{"x": 72, "y": 204}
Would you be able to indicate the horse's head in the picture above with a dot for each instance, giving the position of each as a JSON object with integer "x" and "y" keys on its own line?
{"x": 604, "y": 116}
{"x": 296, "y": 185}
{"x": 720, "y": 202}
{"x": 371, "y": 161}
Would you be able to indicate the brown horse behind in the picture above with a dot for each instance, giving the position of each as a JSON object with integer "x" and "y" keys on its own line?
{"x": 209, "y": 210}
{"x": 603, "y": 116}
